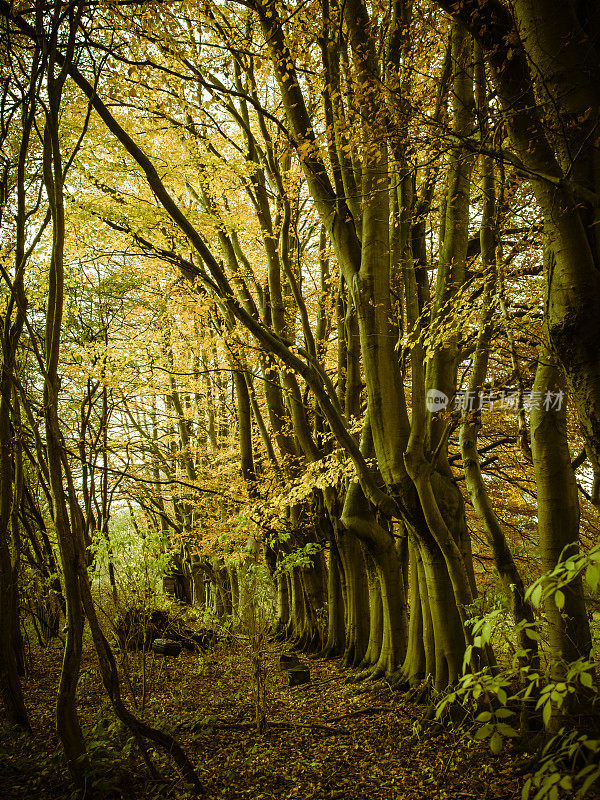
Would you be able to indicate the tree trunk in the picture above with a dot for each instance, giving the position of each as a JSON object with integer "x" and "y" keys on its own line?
{"x": 558, "y": 510}
{"x": 357, "y": 597}
{"x": 336, "y": 630}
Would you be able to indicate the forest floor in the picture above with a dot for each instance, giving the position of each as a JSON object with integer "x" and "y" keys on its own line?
{"x": 328, "y": 739}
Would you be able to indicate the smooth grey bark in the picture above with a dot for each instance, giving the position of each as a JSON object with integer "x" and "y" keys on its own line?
{"x": 375, "y": 614}
{"x": 558, "y": 510}
{"x": 356, "y": 597}
{"x": 336, "y": 629}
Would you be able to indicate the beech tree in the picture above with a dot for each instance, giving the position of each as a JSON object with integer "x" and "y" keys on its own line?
{"x": 345, "y": 212}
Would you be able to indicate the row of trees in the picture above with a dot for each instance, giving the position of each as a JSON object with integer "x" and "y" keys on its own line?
{"x": 248, "y": 246}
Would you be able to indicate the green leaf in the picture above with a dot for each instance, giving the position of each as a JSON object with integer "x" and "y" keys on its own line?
{"x": 559, "y": 599}
{"x": 485, "y": 716}
{"x": 585, "y": 771}
{"x": 586, "y": 679}
{"x": 536, "y": 594}
{"x": 441, "y": 706}
{"x": 483, "y": 732}
{"x": 467, "y": 655}
{"x": 547, "y": 713}
{"x": 496, "y": 743}
{"x": 486, "y": 633}
{"x": 532, "y": 634}
{"x": 506, "y": 730}
{"x": 588, "y": 782}
{"x": 529, "y": 690}
{"x": 592, "y": 576}
{"x": 591, "y": 744}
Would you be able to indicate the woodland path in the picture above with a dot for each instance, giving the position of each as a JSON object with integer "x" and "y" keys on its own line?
{"x": 334, "y": 741}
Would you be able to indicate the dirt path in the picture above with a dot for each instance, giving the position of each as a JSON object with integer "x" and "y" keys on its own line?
{"x": 329, "y": 739}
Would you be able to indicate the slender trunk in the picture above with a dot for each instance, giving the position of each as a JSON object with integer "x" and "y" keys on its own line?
{"x": 558, "y": 510}
{"x": 471, "y": 415}
{"x": 336, "y": 630}
{"x": 375, "y": 614}
{"x": 283, "y": 603}
{"x": 420, "y": 634}
{"x": 357, "y": 598}
{"x": 67, "y": 720}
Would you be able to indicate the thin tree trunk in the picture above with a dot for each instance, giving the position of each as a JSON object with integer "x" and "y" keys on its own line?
{"x": 558, "y": 510}
{"x": 471, "y": 413}
{"x": 336, "y": 630}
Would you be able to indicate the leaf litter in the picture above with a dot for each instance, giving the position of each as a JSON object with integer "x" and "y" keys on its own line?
{"x": 330, "y": 739}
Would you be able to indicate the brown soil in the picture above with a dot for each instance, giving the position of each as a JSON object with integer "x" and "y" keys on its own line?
{"x": 328, "y": 739}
